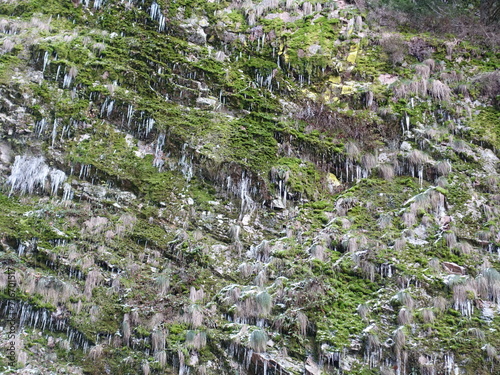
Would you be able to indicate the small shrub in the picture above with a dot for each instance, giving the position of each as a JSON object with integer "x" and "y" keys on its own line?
{"x": 419, "y": 48}
{"x": 264, "y": 303}
{"x": 395, "y": 48}
{"x": 258, "y": 341}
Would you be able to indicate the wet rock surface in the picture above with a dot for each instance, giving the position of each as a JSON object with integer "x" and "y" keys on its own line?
{"x": 245, "y": 188}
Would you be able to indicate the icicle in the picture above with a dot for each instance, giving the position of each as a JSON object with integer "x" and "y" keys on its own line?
{"x": 45, "y": 61}
{"x": 84, "y": 170}
{"x": 40, "y": 126}
{"x": 156, "y": 14}
{"x": 159, "y": 156}
{"x": 54, "y": 132}
{"x": 67, "y": 80}
{"x": 20, "y": 249}
{"x": 27, "y": 174}
{"x": 186, "y": 165}
{"x": 57, "y": 177}
{"x": 149, "y": 125}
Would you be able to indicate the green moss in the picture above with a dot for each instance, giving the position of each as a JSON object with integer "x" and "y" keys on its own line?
{"x": 485, "y": 127}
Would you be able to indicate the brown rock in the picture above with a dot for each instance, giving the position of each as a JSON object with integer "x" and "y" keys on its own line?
{"x": 453, "y": 268}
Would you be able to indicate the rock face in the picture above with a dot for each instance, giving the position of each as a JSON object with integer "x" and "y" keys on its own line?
{"x": 248, "y": 187}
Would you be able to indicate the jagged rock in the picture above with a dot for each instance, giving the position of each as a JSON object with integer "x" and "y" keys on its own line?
{"x": 454, "y": 268}
{"x": 198, "y": 36}
{"x": 311, "y": 368}
{"x": 405, "y": 146}
{"x": 206, "y": 102}
{"x": 6, "y": 155}
{"x": 278, "y": 204}
{"x": 314, "y": 49}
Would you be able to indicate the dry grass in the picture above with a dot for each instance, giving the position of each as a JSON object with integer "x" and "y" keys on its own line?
{"x": 262, "y": 251}
{"x": 234, "y": 233}
{"x": 302, "y": 322}
{"x": 363, "y": 311}
{"x": 404, "y": 317}
{"x": 162, "y": 282}
{"x": 464, "y": 248}
{"x": 134, "y": 318}
{"x": 126, "y": 329}
{"x": 94, "y": 226}
{"x": 264, "y": 303}
{"x": 96, "y": 352}
{"x": 435, "y": 264}
{"x": 53, "y": 290}
{"x": 463, "y": 296}
{"x": 352, "y": 150}
{"x": 439, "y": 91}
{"x": 492, "y": 277}
{"x": 399, "y": 340}
{"x": 489, "y": 84}
{"x": 405, "y": 299}
{"x": 477, "y": 333}
{"x": 386, "y": 371}
{"x": 491, "y": 352}
{"x": 158, "y": 341}
{"x": 409, "y": 218}
{"x": 417, "y": 158}
{"x": 423, "y": 71}
{"x": 194, "y": 316}
{"x": 399, "y": 244}
{"x": 428, "y": 316}
{"x": 161, "y": 358}
{"x": 431, "y": 64}
{"x": 443, "y": 168}
{"x": 368, "y": 269}
{"x": 261, "y": 278}
{"x": 64, "y": 345}
{"x": 352, "y": 245}
{"x": 196, "y": 339}
{"x": 196, "y": 295}
{"x": 368, "y": 161}
{"x": 93, "y": 279}
{"x": 245, "y": 269}
{"x": 156, "y": 320}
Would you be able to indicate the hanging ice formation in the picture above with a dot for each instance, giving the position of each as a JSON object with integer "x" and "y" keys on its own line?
{"x": 30, "y": 173}
{"x": 156, "y": 14}
{"x": 159, "y": 155}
